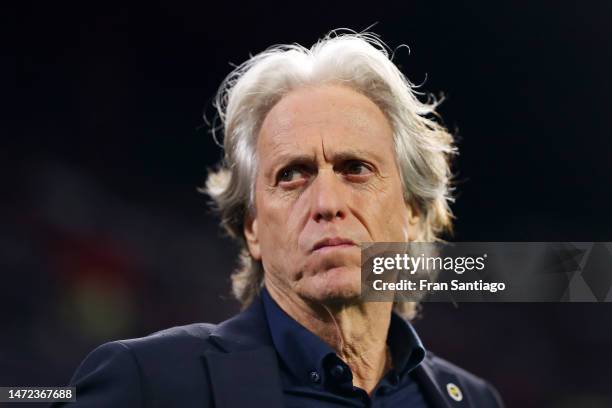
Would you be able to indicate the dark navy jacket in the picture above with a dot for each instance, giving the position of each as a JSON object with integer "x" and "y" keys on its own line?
{"x": 230, "y": 365}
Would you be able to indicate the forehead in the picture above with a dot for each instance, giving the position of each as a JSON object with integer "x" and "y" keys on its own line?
{"x": 330, "y": 114}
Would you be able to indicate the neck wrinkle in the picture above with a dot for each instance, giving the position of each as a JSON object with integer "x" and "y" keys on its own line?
{"x": 356, "y": 332}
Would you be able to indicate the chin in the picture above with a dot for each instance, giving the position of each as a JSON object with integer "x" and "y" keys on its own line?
{"x": 334, "y": 286}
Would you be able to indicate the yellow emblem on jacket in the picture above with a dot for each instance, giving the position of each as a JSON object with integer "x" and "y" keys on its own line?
{"x": 454, "y": 392}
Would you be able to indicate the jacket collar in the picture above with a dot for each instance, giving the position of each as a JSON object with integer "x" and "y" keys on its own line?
{"x": 247, "y": 330}
{"x": 245, "y": 369}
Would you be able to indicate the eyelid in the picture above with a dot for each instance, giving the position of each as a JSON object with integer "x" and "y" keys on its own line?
{"x": 300, "y": 167}
{"x": 346, "y": 164}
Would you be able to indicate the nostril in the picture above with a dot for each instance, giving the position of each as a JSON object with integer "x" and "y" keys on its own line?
{"x": 328, "y": 216}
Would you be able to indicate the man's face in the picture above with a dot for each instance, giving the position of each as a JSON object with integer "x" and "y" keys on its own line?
{"x": 327, "y": 180}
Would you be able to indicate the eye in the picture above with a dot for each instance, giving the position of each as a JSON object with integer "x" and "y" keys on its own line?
{"x": 292, "y": 174}
{"x": 289, "y": 174}
{"x": 356, "y": 168}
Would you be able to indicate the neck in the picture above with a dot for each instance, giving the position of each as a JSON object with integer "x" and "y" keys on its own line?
{"x": 357, "y": 332}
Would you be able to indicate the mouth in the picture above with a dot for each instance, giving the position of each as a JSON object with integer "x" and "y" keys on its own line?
{"x": 333, "y": 243}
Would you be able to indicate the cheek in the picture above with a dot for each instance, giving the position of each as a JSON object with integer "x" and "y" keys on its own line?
{"x": 398, "y": 223}
{"x": 278, "y": 227}
{"x": 384, "y": 213}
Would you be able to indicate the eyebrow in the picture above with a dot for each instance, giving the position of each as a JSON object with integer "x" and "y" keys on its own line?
{"x": 355, "y": 154}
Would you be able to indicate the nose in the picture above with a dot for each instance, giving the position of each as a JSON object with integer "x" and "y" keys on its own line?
{"x": 328, "y": 197}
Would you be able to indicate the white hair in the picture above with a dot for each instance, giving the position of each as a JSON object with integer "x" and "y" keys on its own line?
{"x": 360, "y": 61}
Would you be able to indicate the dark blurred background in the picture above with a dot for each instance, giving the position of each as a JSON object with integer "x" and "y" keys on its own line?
{"x": 104, "y": 236}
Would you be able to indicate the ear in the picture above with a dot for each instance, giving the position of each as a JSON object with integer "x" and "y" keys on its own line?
{"x": 414, "y": 223}
{"x": 252, "y": 239}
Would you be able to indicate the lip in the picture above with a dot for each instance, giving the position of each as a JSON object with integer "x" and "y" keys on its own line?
{"x": 333, "y": 242}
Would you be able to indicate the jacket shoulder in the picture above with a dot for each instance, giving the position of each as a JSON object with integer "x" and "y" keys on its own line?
{"x": 478, "y": 390}
{"x": 162, "y": 369}
{"x": 179, "y": 339}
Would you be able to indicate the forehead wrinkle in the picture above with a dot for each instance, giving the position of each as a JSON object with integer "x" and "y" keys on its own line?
{"x": 323, "y": 147}
{"x": 284, "y": 129}
{"x": 282, "y": 149}
{"x": 279, "y": 146}
{"x": 354, "y": 118}
{"x": 286, "y": 135}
